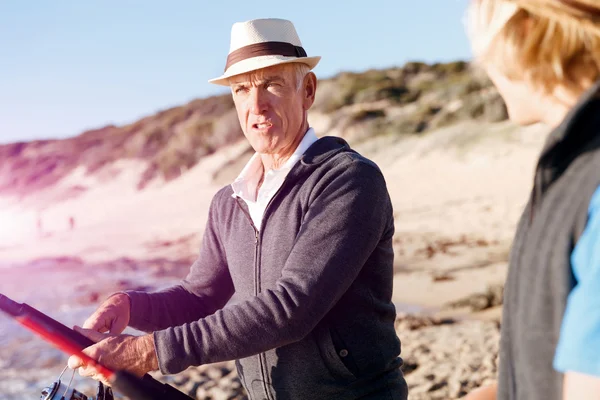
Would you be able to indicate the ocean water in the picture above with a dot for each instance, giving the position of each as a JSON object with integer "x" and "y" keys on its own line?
{"x": 68, "y": 291}
{"x": 28, "y": 364}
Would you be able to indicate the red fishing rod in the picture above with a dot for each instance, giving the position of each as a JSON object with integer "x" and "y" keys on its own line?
{"x": 72, "y": 342}
{"x": 63, "y": 344}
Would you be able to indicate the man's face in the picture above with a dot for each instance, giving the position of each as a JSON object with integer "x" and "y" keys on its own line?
{"x": 271, "y": 108}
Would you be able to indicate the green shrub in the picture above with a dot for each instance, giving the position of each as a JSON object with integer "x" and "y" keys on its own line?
{"x": 364, "y": 115}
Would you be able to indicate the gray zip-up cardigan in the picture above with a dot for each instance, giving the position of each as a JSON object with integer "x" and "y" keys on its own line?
{"x": 304, "y": 304}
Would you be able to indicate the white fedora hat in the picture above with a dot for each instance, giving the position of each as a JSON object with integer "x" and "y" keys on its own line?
{"x": 262, "y": 43}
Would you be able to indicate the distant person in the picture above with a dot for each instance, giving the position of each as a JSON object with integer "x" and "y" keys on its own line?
{"x": 39, "y": 226}
{"x": 71, "y": 223}
{"x": 544, "y": 58}
{"x": 294, "y": 277}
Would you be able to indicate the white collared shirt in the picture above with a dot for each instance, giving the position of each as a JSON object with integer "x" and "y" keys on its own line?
{"x": 246, "y": 183}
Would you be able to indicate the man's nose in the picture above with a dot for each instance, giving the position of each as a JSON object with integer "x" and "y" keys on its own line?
{"x": 258, "y": 101}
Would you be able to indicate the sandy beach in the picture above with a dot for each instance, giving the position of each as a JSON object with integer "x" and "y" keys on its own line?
{"x": 457, "y": 193}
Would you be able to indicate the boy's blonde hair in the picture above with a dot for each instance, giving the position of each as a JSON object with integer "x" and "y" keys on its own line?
{"x": 545, "y": 42}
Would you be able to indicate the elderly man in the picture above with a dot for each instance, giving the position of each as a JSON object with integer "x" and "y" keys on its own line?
{"x": 294, "y": 276}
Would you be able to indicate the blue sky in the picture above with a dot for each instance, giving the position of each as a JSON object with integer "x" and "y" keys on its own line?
{"x": 71, "y": 65}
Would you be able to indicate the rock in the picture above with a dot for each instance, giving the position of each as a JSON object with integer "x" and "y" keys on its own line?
{"x": 201, "y": 394}
{"x": 481, "y": 301}
{"x": 236, "y": 385}
{"x": 181, "y": 380}
{"x": 448, "y": 360}
{"x": 413, "y": 322}
{"x": 409, "y": 366}
{"x": 191, "y": 388}
{"x": 437, "y": 386}
{"x": 215, "y": 373}
{"x": 442, "y": 277}
{"x": 218, "y": 393}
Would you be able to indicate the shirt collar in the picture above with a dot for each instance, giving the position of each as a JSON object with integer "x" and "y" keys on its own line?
{"x": 245, "y": 185}
{"x": 309, "y": 138}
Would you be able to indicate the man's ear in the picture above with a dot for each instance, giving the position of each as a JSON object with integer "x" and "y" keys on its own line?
{"x": 309, "y": 89}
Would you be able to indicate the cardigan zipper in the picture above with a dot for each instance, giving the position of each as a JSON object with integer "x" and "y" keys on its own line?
{"x": 261, "y": 357}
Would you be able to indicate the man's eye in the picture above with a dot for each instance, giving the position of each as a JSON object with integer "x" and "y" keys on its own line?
{"x": 240, "y": 90}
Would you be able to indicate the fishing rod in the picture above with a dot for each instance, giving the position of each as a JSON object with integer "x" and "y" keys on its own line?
{"x": 72, "y": 342}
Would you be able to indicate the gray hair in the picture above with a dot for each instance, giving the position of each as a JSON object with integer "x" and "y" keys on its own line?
{"x": 301, "y": 70}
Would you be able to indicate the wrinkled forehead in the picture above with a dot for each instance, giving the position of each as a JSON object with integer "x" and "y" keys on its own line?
{"x": 274, "y": 73}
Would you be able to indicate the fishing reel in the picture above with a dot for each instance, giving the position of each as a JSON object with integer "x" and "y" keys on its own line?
{"x": 59, "y": 391}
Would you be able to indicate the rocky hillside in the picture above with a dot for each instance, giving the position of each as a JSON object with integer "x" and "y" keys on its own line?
{"x": 406, "y": 100}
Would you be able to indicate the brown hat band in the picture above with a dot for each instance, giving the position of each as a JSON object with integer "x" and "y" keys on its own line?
{"x": 264, "y": 49}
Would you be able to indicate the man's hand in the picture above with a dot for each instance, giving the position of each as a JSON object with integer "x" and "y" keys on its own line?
{"x": 483, "y": 393}
{"x": 112, "y": 316}
{"x": 135, "y": 354}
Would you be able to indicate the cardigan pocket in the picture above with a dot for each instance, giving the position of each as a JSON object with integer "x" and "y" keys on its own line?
{"x": 333, "y": 357}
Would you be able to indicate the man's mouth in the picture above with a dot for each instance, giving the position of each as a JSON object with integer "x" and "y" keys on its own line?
{"x": 262, "y": 125}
